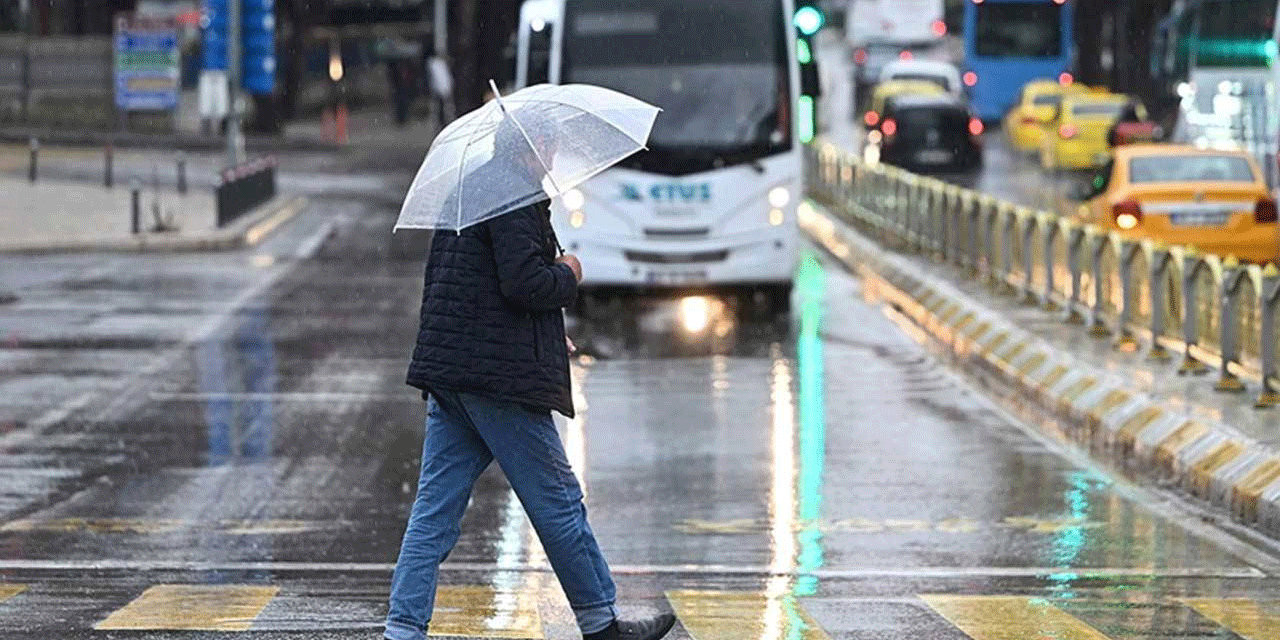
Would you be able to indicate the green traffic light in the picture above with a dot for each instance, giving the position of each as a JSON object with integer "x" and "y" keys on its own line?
{"x": 809, "y": 20}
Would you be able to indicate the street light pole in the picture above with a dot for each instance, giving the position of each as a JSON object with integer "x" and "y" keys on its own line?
{"x": 440, "y": 29}
{"x": 235, "y": 138}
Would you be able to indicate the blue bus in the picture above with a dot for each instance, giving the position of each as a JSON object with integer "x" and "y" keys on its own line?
{"x": 1008, "y": 43}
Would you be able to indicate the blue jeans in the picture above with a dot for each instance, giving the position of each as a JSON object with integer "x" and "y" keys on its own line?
{"x": 466, "y": 432}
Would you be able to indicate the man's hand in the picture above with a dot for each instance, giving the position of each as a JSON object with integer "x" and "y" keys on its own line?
{"x": 573, "y": 263}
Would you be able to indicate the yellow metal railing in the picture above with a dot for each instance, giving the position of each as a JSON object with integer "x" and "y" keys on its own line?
{"x": 1216, "y": 312}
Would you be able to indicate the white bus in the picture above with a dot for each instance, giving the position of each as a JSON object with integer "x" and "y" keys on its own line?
{"x": 712, "y": 203}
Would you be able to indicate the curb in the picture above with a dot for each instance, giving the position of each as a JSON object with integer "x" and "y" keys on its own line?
{"x": 245, "y": 232}
{"x": 1209, "y": 460}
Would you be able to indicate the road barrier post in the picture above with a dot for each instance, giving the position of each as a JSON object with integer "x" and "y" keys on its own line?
{"x": 1129, "y": 252}
{"x": 1161, "y": 263}
{"x": 1270, "y": 396}
{"x": 1075, "y": 253}
{"x": 108, "y": 166}
{"x": 135, "y": 206}
{"x": 1232, "y": 276}
{"x": 34, "y": 163}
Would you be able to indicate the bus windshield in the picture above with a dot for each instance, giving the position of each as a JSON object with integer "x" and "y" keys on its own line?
{"x": 717, "y": 68}
{"x": 1019, "y": 30}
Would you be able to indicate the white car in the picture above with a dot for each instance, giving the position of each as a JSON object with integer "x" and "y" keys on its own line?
{"x": 942, "y": 73}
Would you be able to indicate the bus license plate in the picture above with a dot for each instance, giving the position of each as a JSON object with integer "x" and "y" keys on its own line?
{"x": 934, "y": 156}
{"x": 1198, "y": 219}
{"x": 694, "y": 276}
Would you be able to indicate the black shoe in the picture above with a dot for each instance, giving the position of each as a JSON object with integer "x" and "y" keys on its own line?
{"x": 651, "y": 629}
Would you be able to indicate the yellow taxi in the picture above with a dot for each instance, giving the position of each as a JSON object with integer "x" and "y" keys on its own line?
{"x": 1076, "y": 137}
{"x": 1037, "y": 105}
{"x": 886, "y": 90}
{"x": 1215, "y": 200}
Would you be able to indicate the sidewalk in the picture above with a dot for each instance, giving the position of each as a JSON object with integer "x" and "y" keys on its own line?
{"x": 1137, "y": 413}
{"x": 52, "y": 216}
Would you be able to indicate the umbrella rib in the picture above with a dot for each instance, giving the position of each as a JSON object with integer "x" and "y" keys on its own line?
{"x": 571, "y": 105}
{"x": 527, "y": 139}
{"x": 462, "y": 164}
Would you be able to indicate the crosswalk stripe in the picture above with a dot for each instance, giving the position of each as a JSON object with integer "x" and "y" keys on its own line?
{"x": 184, "y": 607}
{"x": 10, "y": 590}
{"x": 721, "y": 615}
{"x": 1247, "y": 618}
{"x": 1010, "y": 618}
{"x": 483, "y": 612}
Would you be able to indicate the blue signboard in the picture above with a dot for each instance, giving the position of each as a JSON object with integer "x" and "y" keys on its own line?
{"x": 259, "y": 70}
{"x": 257, "y": 39}
{"x": 147, "y": 58}
{"x": 213, "y": 26}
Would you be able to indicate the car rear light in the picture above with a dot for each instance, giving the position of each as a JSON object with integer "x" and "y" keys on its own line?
{"x": 939, "y": 28}
{"x": 1265, "y": 211}
{"x": 1068, "y": 131}
{"x": 871, "y": 118}
{"x": 860, "y": 56}
{"x": 889, "y": 127}
{"x": 975, "y": 126}
{"x": 1029, "y": 120}
{"x": 1066, "y": 79}
{"x": 905, "y": 55}
{"x": 1127, "y": 214}
{"x": 970, "y": 79}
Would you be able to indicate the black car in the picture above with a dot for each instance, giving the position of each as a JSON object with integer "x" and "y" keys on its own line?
{"x": 930, "y": 134}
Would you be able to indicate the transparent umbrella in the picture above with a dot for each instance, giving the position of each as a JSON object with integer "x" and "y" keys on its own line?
{"x": 519, "y": 149}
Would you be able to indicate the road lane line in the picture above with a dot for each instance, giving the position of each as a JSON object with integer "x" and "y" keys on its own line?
{"x": 730, "y": 615}
{"x": 483, "y": 612}
{"x": 1010, "y": 618}
{"x": 1249, "y": 619}
{"x": 185, "y": 607}
{"x": 690, "y": 569}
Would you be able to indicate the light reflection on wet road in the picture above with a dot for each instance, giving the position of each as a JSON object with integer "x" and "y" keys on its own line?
{"x": 818, "y": 476}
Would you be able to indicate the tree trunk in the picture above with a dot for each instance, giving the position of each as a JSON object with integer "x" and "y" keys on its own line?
{"x": 468, "y": 93}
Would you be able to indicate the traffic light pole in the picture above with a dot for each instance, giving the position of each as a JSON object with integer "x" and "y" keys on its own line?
{"x": 235, "y": 138}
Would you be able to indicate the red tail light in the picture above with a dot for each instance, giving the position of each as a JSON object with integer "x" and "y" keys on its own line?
{"x": 871, "y": 118}
{"x": 1265, "y": 211}
{"x": 1029, "y": 120}
{"x": 1066, "y": 79}
{"x": 970, "y": 79}
{"x": 1127, "y": 214}
{"x": 905, "y": 55}
{"x": 889, "y": 127}
{"x": 1068, "y": 131}
{"x": 975, "y": 126}
{"x": 939, "y": 28}
{"x": 860, "y": 56}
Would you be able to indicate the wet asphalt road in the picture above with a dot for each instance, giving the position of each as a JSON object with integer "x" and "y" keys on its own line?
{"x": 206, "y": 445}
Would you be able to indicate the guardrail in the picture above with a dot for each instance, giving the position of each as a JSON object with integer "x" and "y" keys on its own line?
{"x": 1219, "y": 314}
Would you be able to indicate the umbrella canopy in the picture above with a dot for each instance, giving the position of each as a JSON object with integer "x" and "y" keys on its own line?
{"x": 519, "y": 149}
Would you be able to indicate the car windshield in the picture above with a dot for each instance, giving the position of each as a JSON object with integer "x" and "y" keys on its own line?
{"x": 1190, "y": 168}
{"x": 941, "y": 81}
{"x": 718, "y": 87}
{"x": 1050, "y": 100}
{"x": 1097, "y": 109}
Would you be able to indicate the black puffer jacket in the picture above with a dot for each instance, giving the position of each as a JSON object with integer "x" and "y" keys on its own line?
{"x": 492, "y": 320}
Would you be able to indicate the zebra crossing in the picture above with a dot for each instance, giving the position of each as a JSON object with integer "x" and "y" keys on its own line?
{"x": 481, "y": 611}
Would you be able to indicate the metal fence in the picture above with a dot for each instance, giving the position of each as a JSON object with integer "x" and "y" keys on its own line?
{"x": 1217, "y": 313}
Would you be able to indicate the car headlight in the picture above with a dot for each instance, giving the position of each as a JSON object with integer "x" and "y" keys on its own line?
{"x": 574, "y": 200}
{"x": 779, "y": 197}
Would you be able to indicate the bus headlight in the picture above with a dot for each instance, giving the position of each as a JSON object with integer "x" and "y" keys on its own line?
{"x": 776, "y": 217}
{"x": 577, "y": 219}
{"x": 779, "y": 197}
{"x": 574, "y": 200}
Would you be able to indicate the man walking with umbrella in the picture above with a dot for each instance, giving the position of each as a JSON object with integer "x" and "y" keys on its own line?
{"x": 492, "y": 358}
